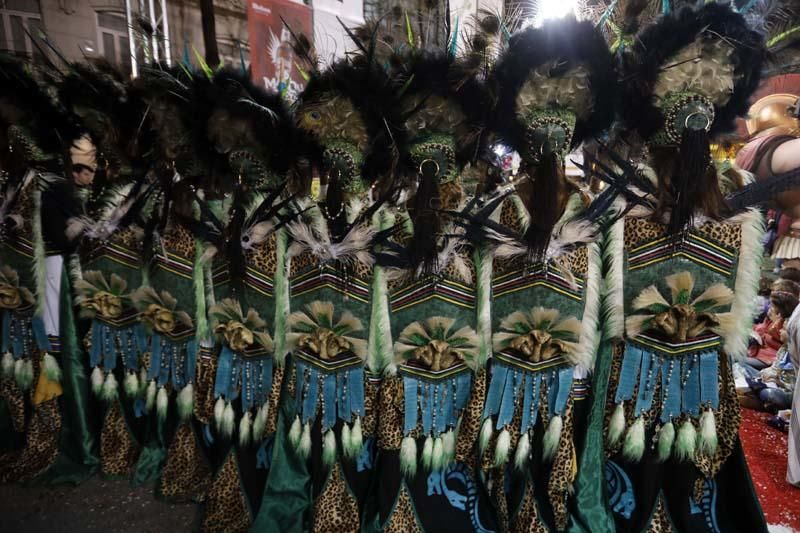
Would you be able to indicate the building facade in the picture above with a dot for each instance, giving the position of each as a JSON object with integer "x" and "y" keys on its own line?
{"x": 110, "y": 29}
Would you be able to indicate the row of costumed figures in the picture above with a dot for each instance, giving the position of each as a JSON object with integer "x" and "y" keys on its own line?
{"x": 424, "y": 342}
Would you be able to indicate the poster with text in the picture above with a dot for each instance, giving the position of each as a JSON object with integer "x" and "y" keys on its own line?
{"x": 271, "y": 56}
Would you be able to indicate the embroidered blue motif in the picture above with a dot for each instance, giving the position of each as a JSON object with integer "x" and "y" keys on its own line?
{"x": 707, "y": 505}
{"x": 455, "y": 483}
{"x": 366, "y": 458}
{"x": 620, "y": 489}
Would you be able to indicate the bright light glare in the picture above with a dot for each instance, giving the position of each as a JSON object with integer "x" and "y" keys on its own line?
{"x": 554, "y": 9}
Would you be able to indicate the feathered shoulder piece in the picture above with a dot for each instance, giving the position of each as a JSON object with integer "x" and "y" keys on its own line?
{"x": 694, "y": 65}
{"x": 36, "y": 125}
{"x": 441, "y": 97}
{"x": 352, "y": 111}
{"x": 253, "y": 127}
{"x": 688, "y": 77}
{"x": 112, "y": 114}
{"x": 557, "y": 84}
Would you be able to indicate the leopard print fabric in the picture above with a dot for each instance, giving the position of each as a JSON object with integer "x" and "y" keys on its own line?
{"x": 41, "y": 448}
{"x": 403, "y": 518}
{"x": 179, "y": 241}
{"x": 206, "y": 373}
{"x": 563, "y": 470}
{"x": 639, "y": 230}
{"x": 471, "y": 418}
{"x": 335, "y": 510}
{"x": 15, "y": 402}
{"x": 498, "y": 483}
{"x": 226, "y": 504}
{"x": 660, "y": 523}
{"x": 274, "y": 398}
{"x": 390, "y": 404}
{"x": 186, "y": 475}
{"x": 118, "y": 450}
{"x": 727, "y": 417}
{"x": 263, "y": 257}
{"x": 369, "y": 425}
{"x": 527, "y": 520}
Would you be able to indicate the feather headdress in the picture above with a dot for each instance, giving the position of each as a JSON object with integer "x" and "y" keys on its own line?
{"x": 556, "y": 87}
{"x": 688, "y": 77}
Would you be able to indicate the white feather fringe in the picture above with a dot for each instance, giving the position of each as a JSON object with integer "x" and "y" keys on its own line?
{"x": 408, "y": 457}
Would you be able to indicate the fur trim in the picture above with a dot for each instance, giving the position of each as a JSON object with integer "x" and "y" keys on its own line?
{"x": 228, "y": 420}
{"x": 162, "y": 403}
{"x": 245, "y": 429}
{"x": 219, "y": 412}
{"x": 523, "y": 451}
{"x": 748, "y": 274}
{"x": 487, "y": 429}
{"x": 449, "y": 446}
{"x": 356, "y": 438}
{"x": 8, "y": 365}
{"x": 616, "y": 427}
{"x": 707, "y": 437}
{"x": 666, "y": 438}
{"x": 613, "y": 319}
{"x": 110, "y": 389}
{"x": 281, "y": 297}
{"x": 260, "y": 423}
{"x": 185, "y": 402}
{"x": 39, "y": 271}
{"x": 408, "y": 457}
{"x": 483, "y": 267}
{"x": 552, "y": 438}
{"x": 23, "y": 373}
{"x": 150, "y": 396}
{"x": 304, "y": 448}
{"x": 295, "y": 432}
{"x": 51, "y": 368}
{"x": 686, "y": 443}
{"x": 437, "y": 459}
{"x": 502, "y": 448}
{"x": 202, "y": 330}
{"x": 589, "y": 339}
{"x": 427, "y": 454}
{"x": 379, "y": 355}
{"x": 131, "y": 384}
{"x": 633, "y": 447}
{"x": 329, "y": 448}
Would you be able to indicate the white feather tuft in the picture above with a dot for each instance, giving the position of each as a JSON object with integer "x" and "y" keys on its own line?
{"x": 502, "y": 448}
{"x": 552, "y": 438}
{"x": 97, "y": 381}
{"x": 408, "y": 457}
{"x": 523, "y": 451}
{"x": 245, "y": 427}
{"x": 162, "y": 403}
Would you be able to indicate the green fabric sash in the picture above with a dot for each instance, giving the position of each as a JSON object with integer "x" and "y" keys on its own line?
{"x": 78, "y": 447}
{"x": 287, "y": 494}
{"x": 589, "y": 511}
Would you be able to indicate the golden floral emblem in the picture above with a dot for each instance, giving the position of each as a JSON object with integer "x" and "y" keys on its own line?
{"x": 538, "y": 335}
{"x": 236, "y": 334}
{"x": 325, "y": 343}
{"x": 684, "y": 317}
{"x": 107, "y": 304}
{"x": 159, "y": 318}
{"x": 437, "y": 355}
{"x": 10, "y": 297}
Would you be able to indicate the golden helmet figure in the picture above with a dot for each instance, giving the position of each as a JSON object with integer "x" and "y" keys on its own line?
{"x": 773, "y": 115}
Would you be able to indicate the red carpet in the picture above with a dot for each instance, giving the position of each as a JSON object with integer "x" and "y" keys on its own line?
{"x": 766, "y": 449}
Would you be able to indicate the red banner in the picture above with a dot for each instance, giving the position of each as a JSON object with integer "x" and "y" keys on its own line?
{"x": 271, "y": 56}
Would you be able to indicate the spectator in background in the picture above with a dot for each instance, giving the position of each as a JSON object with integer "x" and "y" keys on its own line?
{"x": 767, "y": 336}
